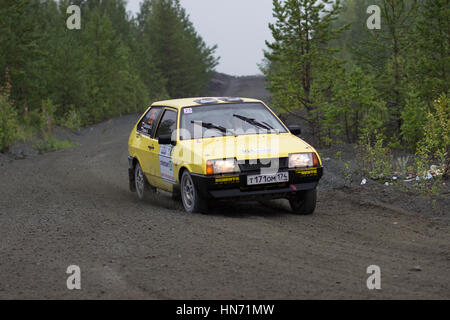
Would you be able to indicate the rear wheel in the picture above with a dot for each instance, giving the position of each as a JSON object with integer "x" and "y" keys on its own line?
{"x": 304, "y": 202}
{"x": 192, "y": 201}
{"x": 143, "y": 188}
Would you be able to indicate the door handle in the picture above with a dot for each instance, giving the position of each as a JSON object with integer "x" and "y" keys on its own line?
{"x": 151, "y": 147}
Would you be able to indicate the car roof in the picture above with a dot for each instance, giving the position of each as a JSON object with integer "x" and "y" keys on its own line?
{"x": 199, "y": 101}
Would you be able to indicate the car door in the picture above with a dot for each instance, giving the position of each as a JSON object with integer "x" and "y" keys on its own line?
{"x": 162, "y": 154}
{"x": 146, "y": 142}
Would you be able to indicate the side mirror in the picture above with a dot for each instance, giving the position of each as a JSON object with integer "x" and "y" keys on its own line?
{"x": 166, "y": 139}
{"x": 295, "y": 130}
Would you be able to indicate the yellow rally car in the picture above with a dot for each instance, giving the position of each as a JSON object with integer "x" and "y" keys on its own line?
{"x": 202, "y": 149}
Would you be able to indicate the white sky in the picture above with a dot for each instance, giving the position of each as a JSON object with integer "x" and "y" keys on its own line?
{"x": 238, "y": 27}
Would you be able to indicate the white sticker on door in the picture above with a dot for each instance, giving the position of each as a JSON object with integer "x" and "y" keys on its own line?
{"x": 166, "y": 164}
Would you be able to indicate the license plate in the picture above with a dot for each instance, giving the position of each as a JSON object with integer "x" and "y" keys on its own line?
{"x": 268, "y": 178}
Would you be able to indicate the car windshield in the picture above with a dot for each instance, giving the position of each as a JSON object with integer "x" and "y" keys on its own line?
{"x": 228, "y": 119}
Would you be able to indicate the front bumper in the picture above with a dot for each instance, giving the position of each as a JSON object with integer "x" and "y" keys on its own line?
{"x": 235, "y": 186}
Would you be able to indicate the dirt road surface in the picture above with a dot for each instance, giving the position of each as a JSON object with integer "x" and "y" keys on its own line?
{"x": 73, "y": 207}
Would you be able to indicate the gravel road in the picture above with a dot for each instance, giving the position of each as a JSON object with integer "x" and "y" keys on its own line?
{"x": 73, "y": 207}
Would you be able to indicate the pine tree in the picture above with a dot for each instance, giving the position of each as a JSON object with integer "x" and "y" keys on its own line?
{"x": 113, "y": 86}
{"x": 354, "y": 15}
{"x": 355, "y": 108}
{"x": 301, "y": 63}
{"x": 386, "y": 52}
{"x": 414, "y": 118}
{"x": 19, "y": 49}
{"x": 171, "y": 43}
{"x": 429, "y": 63}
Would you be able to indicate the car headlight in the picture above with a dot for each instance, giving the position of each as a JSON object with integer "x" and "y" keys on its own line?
{"x": 221, "y": 166}
{"x": 303, "y": 160}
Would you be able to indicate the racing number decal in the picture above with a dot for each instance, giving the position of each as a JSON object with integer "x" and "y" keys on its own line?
{"x": 166, "y": 164}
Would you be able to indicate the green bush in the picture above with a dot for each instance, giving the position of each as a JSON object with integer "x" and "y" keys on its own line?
{"x": 33, "y": 121}
{"x": 72, "y": 120}
{"x": 354, "y": 109}
{"x": 41, "y": 120}
{"x": 9, "y": 123}
{"x": 401, "y": 164}
{"x": 48, "y": 115}
{"x": 435, "y": 144}
{"x": 376, "y": 160}
{"x": 49, "y": 143}
{"x": 414, "y": 117}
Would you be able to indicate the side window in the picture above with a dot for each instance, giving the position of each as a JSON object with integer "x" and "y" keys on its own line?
{"x": 149, "y": 122}
{"x": 168, "y": 123}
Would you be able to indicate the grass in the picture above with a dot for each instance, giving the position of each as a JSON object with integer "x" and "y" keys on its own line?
{"x": 49, "y": 143}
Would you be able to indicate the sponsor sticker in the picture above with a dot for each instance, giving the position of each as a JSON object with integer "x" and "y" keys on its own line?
{"x": 226, "y": 180}
{"x": 165, "y": 150}
{"x": 307, "y": 172}
{"x": 166, "y": 164}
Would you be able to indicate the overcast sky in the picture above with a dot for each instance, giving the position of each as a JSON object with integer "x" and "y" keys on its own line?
{"x": 238, "y": 27}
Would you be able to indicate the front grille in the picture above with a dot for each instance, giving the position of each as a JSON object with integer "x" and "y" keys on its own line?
{"x": 257, "y": 164}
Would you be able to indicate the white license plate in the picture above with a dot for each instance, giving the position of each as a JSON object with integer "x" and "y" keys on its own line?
{"x": 268, "y": 178}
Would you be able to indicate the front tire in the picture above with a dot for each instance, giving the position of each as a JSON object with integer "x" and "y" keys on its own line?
{"x": 191, "y": 199}
{"x": 304, "y": 202}
{"x": 143, "y": 188}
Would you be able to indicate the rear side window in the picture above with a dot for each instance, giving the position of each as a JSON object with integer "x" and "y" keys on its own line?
{"x": 148, "y": 123}
{"x": 168, "y": 123}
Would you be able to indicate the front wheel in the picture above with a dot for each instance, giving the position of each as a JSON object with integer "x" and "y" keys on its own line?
{"x": 192, "y": 201}
{"x": 304, "y": 202}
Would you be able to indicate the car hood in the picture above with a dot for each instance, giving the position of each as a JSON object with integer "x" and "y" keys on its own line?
{"x": 246, "y": 147}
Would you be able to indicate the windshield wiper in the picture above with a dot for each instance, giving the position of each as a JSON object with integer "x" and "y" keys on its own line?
{"x": 268, "y": 125}
{"x": 209, "y": 125}
{"x": 253, "y": 122}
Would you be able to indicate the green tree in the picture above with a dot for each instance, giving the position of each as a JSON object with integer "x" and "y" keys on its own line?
{"x": 354, "y": 15}
{"x": 19, "y": 50}
{"x": 114, "y": 65}
{"x": 66, "y": 74}
{"x": 386, "y": 52}
{"x": 429, "y": 63}
{"x": 435, "y": 144}
{"x": 414, "y": 117}
{"x": 174, "y": 47}
{"x": 355, "y": 108}
{"x": 113, "y": 87}
{"x": 9, "y": 124}
{"x": 301, "y": 64}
